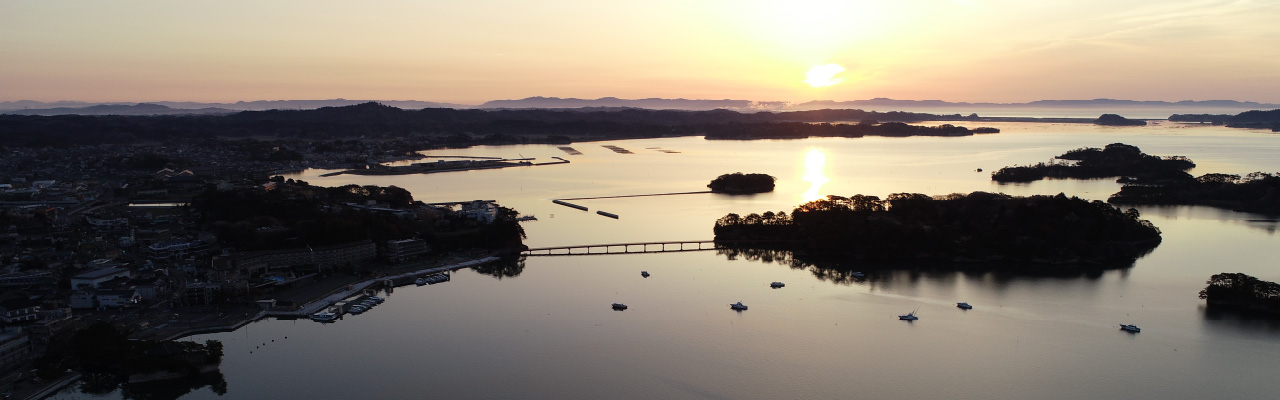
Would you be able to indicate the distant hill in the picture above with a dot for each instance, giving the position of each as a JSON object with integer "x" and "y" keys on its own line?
{"x": 29, "y": 107}
{"x": 119, "y": 109}
{"x": 1095, "y": 103}
{"x": 650, "y": 103}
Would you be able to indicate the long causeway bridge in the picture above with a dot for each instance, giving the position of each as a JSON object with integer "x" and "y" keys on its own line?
{"x": 634, "y": 248}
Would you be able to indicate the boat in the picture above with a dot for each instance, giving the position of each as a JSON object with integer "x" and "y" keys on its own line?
{"x": 420, "y": 282}
{"x": 911, "y": 316}
{"x": 859, "y": 275}
{"x": 357, "y": 309}
{"x": 644, "y": 274}
{"x": 324, "y": 316}
{"x": 738, "y": 306}
{"x": 377, "y": 299}
{"x": 964, "y": 305}
{"x": 776, "y": 285}
{"x": 619, "y": 306}
{"x": 1130, "y": 328}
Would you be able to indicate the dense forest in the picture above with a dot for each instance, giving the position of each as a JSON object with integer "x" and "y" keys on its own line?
{"x": 975, "y": 227}
{"x": 456, "y": 127}
{"x": 1114, "y": 160}
{"x": 1256, "y": 192}
{"x": 1240, "y": 290}
{"x": 738, "y": 182}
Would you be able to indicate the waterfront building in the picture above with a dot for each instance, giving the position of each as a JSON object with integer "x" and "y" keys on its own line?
{"x": 97, "y": 277}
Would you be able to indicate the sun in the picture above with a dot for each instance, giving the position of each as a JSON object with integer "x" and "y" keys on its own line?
{"x": 823, "y": 75}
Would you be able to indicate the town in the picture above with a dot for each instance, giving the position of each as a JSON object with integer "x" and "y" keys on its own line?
{"x": 169, "y": 239}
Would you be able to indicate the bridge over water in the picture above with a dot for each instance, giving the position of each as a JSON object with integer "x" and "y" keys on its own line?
{"x": 635, "y": 247}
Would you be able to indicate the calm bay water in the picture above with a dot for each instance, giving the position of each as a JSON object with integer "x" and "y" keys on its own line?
{"x": 548, "y": 332}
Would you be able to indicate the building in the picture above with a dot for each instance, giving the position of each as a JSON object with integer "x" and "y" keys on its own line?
{"x": 26, "y": 278}
{"x": 117, "y": 298}
{"x": 403, "y": 250}
{"x": 483, "y": 211}
{"x": 19, "y": 310}
{"x": 97, "y": 277}
{"x": 15, "y": 348}
{"x": 176, "y": 249}
{"x": 322, "y": 257}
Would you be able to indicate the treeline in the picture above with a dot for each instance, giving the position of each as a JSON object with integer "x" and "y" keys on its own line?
{"x": 1240, "y": 290}
{"x": 1257, "y": 192}
{"x": 1114, "y": 160}
{"x": 373, "y": 120}
{"x": 975, "y": 227}
{"x": 738, "y": 182}
{"x": 798, "y": 130}
{"x": 1249, "y": 119}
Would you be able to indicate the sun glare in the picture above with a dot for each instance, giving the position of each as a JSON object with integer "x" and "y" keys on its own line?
{"x": 823, "y": 75}
{"x": 815, "y": 165}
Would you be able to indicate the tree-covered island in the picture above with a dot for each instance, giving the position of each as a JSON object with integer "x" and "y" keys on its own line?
{"x": 740, "y": 183}
{"x": 1244, "y": 291}
{"x": 1117, "y": 120}
{"x": 978, "y": 227}
{"x": 1255, "y": 192}
{"x": 1114, "y": 160}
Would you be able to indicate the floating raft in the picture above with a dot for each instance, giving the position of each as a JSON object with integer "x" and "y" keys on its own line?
{"x": 570, "y": 205}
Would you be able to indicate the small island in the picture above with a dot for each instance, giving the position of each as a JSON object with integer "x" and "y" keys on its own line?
{"x": 1117, "y": 120}
{"x": 740, "y": 183}
{"x": 1114, "y": 160}
{"x": 1244, "y": 291}
{"x": 977, "y": 227}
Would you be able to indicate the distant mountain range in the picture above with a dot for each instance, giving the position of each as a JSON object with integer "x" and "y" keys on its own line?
{"x": 1147, "y": 109}
{"x": 650, "y": 103}
{"x": 29, "y": 107}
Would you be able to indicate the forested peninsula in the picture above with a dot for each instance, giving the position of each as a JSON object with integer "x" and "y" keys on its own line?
{"x": 978, "y": 227}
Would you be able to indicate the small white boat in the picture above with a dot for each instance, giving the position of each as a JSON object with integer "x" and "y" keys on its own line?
{"x": 1130, "y": 328}
{"x": 776, "y": 285}
{"x": 324, "y": 317}
{"x": 644, "y": 274}
{"x": 738, "y": 306}
{"x": 964, "y": 305}
{"x": 357, "y": 309}
{"x": 377, "y": 299}
{"x": 619, "y": 306}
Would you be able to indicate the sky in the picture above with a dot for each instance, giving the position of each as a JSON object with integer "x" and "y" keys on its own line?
{"x": 469, "y": 52}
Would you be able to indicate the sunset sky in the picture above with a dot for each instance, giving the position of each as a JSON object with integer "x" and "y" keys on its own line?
{"x": 473, "y": 51}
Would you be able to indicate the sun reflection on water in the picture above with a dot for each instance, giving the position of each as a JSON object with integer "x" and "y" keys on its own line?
{"x": 815, "y": 165}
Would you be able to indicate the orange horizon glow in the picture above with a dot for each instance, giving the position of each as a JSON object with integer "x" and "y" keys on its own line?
{"x": 469, "y": 53}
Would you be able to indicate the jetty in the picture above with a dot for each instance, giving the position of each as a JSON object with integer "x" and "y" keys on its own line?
{"x": 568, "y": 204}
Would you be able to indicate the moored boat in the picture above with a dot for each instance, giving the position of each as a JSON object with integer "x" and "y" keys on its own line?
{"x": 776, "y": 285}
{"x": 619, "y": 306}
{"x": 644, "y": 274}
{"x": 324, "y": 316}
{"x": 964, "y": 305}
{"x": 1130, "y": 328}
{"x": 738, "y": 306}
